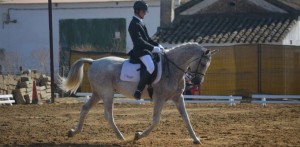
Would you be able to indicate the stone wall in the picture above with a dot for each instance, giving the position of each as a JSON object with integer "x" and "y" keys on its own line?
{"x": 21, "y": 86}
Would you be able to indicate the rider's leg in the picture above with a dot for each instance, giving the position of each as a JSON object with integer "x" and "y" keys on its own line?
{"x": 145, "y": 75}
{"x": 148, "y": 62}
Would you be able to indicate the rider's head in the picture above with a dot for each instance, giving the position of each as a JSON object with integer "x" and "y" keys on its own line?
{"x": 140, "y": 8}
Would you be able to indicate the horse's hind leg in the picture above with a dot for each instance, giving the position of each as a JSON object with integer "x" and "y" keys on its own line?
{"x": 108, "y": 114}
{"x": 84, "y": 111}
{"x": 158, "y": 106}
{"x": 179, "y": 102}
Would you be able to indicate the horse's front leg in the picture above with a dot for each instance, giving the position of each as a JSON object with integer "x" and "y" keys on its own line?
{"x": 179, "y": 102}
{"x": 158, "y": 106}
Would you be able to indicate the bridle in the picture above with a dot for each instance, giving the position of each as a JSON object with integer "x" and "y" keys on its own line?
{"x": 199, "y": 62}
{"x": 194, "y": 73}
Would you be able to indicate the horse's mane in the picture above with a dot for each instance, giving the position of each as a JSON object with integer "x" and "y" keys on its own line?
{"x": 184, "y": 47}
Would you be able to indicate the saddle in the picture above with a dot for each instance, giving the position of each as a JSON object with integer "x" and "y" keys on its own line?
{"x": 131, "y": 68}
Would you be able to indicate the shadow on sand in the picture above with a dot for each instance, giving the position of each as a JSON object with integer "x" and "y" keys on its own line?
{"x": 67, "y": 145}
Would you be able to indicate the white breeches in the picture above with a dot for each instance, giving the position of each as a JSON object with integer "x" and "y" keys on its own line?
{"x": 147, "y": 60}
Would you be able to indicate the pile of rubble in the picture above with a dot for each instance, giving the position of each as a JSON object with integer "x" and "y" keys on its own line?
{"x": 21, "y": 86}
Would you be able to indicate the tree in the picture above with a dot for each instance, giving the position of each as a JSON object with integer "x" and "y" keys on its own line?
{"x": 41, "y": 60}
{"x": 10, "y": 61}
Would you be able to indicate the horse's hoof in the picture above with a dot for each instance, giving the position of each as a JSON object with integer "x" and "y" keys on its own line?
{"x": 197, "y": 141}
{"x": 121, "y": 138}
{"x": 71, "y": 133}
{"x": 137, "y": 135}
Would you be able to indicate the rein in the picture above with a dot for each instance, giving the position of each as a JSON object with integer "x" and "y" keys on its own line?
{"x": 184, "y": 71}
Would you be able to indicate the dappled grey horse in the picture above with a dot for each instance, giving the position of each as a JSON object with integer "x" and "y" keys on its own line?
{"x": 104, "y": 77}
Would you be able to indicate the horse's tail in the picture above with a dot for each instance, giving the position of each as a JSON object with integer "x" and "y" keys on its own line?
{"x": 74, "y": 79}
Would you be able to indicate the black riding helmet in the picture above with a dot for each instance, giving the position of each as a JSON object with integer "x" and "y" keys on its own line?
{"x": 140, "y": 5}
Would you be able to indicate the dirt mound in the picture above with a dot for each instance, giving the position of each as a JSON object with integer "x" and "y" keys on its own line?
{"x": 215, "y": 124}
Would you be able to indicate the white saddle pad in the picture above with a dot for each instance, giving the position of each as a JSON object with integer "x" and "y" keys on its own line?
{"x": 131, "y": 73}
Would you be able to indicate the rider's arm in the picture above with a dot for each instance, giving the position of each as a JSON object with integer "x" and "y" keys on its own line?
{"x": 135, "y": 33}
{"x": 150, "y": 39}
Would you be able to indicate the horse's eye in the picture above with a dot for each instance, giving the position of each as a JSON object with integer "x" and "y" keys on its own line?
{"x": 203, "y": 64}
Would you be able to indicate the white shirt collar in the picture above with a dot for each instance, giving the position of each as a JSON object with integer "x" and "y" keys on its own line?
{"x": 141, "y": 20}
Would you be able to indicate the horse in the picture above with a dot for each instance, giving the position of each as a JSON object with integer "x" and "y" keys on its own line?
{"x": 104, "y": 78}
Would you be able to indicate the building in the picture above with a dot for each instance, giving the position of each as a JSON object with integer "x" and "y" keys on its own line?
{"x": 259, "y": 43}
{"x": 91, "y": 24}
{"x": 230, "y": 22}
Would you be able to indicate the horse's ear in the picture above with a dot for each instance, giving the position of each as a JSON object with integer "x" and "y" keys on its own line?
{"x": 207, "y": 52}
{"x": 214, "y": 51}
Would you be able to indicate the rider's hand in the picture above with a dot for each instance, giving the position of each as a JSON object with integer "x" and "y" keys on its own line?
{"x": 156, "y": 49}
{"x": 161, "y": 46}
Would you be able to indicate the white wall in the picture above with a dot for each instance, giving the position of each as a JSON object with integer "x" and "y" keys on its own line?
{"x": 293, "y": 37}
{"x": 31, "y": 31}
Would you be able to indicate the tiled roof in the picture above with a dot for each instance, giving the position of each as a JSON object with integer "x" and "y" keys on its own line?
{"x": 187, "y": 5}
{"x": 55, "y": 1}
{"x": 227, "y": 29}
{"x": 289, "y": 5}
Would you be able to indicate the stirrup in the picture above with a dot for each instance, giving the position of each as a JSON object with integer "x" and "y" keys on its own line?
{"x": 137, "y": 94}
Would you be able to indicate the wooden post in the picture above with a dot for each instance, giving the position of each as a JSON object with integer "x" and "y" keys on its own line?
{"x": 51, "y": 50}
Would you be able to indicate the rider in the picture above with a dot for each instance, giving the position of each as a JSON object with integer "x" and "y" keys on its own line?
{"x": 143, "y": 45}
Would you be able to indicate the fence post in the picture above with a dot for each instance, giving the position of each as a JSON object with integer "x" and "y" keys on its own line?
{"x": 231, "y": 101}
{"x": 264, "y": 101}
{"x": 259, "y": 64}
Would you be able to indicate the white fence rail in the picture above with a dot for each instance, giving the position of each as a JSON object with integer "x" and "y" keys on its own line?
{"x": 275, "y": 99}
{"x": 7, "y": 99}
{"x": 231, "y": 100}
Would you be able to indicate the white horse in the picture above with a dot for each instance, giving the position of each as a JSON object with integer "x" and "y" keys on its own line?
{"x": 104, "y": 77}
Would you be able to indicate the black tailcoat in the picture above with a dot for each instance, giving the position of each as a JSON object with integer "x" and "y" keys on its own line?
{"x": 142, "y": 43}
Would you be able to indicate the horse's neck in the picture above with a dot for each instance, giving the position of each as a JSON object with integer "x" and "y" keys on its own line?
{"x": 181, "y": 58}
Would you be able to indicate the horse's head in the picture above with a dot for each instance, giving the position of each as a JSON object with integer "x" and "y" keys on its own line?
{"x": 191, "y": 58}
{"x": 199, "y": 65}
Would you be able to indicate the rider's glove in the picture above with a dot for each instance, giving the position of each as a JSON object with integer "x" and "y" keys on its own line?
{"x": 156, "y": 49}
{"x": 161, "y": 46}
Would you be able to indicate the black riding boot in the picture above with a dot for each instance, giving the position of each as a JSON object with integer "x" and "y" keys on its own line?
{"x": 145, "y": 76}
